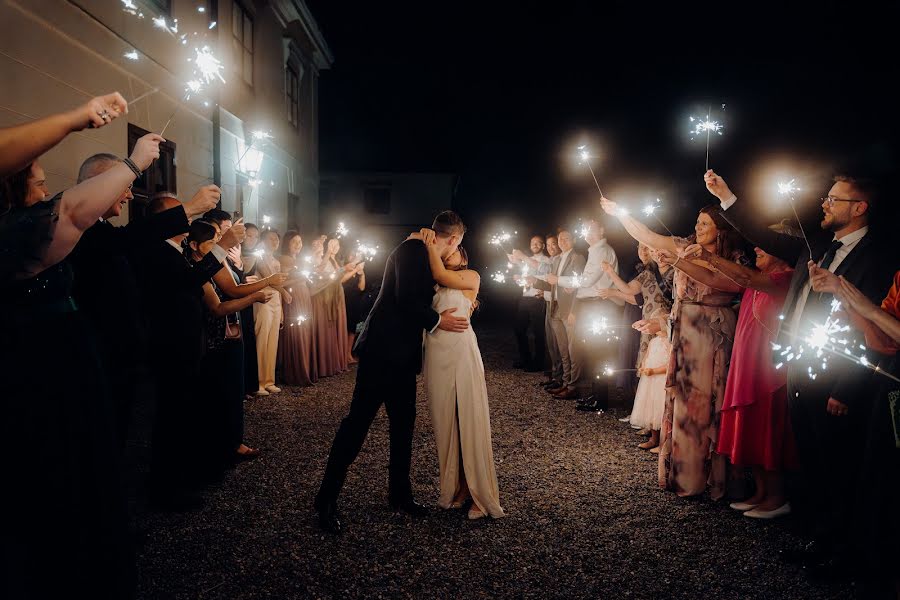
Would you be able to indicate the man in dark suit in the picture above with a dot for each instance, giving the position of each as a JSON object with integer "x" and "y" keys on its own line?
{"x": 389, "y": 349}
{"x": 106, "y": 288}
{"x": 172, "y": 293}
{"x": 828, "y": 412}
{"x": 566, "y": 262}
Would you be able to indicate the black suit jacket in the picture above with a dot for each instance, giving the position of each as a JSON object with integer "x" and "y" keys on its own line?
{"x": 105, "y": 286}
{"x": 392, "y": 333}
{"x": 865, "y": 267}
{"x": 173, "y": 297}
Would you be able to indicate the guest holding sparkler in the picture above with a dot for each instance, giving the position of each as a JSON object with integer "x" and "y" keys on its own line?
{"x": 588, "y": 355}
{"x": 531, "y": 307}
{"x": 330, "y": 312}
{"x": 221, "y": 368}
{"x": 269, "y": 317}
{"x": 561, "y": 300}
{"x": 826, "y": 411}
{"x": 64, "y": 510}
{"x": 297, "y": 344}
{"x": 876, "y": 524}
{"x": 555, "y": 373}
{"x": 650, "y": 398}
{"x": 702, "y": 331}
{"x": 755, "y": 429}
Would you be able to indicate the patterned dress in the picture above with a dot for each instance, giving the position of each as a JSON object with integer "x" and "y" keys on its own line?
{"x": 657, "y": 292}
{"x": 702, "y": 328}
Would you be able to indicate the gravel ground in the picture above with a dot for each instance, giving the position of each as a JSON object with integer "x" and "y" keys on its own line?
{"x": 585, "y": 516}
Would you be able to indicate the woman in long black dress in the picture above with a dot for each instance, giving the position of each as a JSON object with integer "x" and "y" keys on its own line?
{"x": 64, "y": 527}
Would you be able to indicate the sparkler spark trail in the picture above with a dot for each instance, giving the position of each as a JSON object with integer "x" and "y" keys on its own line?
{"x": 498, "y": 238}
{"x": 366, "y": 251}
{"x": 650, "y": 210}
{"x": 144, "y": 95}
{"x": 585, "y": 155}
{"x": 301, "y": 319}
{"x": 576, "y": 280}
{"x": 499, "y": 277}
{"x": 609, "y": 371}
{"x": 788, "y": 189}
{"x": 257, "y": 135}
{"x": 707, "y": 126}
{"x": 823, "y": 341}
{"x": 206, "y": 69}
{"x": 341, "y": 230}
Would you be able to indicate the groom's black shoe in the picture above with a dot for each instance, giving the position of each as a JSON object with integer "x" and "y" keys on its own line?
{"x": 328, "y": 519}
{"x": 409, "y": 506}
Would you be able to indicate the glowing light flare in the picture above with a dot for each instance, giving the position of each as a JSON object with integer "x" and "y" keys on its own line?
{"x": 576, "y": 281}
{"x": 259, "y": 253}
{"x": 706, "y": 126}
{"x": 208, "y": 66}
{"x": 261, "y": 135}
{"x": 499, "y": 277}
{"x": 341, "y": 230}
{"x": 366, "y": 251}
{"x": 786, "y": 188}
{"x": 131, "y": 55}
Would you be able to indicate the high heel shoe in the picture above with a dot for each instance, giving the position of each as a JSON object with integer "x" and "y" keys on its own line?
{"x": 475, "y": 513}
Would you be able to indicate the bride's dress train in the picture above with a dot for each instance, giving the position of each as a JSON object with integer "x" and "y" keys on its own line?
{"x": 457, "y": 399}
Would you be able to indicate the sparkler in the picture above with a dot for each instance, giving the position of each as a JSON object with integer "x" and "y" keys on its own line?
{"x": 366, "y": 251}
{"x": 585, "y": 155}
{"x": 498, "y": 238}
{"x": 608, "y": 371}
{"x": 650, "y": 210}
{"x": 499, "y": 277}
{"x": 706, "y": 126}
{"x": 207, "y": 68}
{"x": 601, "y": 327}
{"x": 341, "y": 230}
{"x": 788, "y": 189}
{"x": 259, "y": 253}
{"x": 149, "y": 92}
{"x": 576, "y": 280}
{"x": 257, "y": 135}
{"x": 825, "y": 340}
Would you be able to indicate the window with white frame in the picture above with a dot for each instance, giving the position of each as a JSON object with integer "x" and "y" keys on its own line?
{"x": 242, "y": 41}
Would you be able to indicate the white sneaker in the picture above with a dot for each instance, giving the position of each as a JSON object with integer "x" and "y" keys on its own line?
{"x": 261, "y": 392}
{"x": 625, "y": 419}
{"x": 742, "y": 506}
{"x": 273, "y": 389}
{"x": 784, "y": 509}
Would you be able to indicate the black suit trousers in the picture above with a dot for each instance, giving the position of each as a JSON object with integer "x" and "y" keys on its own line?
{"x": 376, "y": 384}
{"x": 531, "y": 313}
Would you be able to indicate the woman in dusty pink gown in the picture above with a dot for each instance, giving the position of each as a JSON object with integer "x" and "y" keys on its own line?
{"x": 330, "y": 312}
{"x": 296, "y": 345}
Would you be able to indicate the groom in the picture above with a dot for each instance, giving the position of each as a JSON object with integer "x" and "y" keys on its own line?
{"x": 390, "y": 356}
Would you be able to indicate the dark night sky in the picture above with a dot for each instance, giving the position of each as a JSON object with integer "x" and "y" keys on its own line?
{"x": 499, "y": 92}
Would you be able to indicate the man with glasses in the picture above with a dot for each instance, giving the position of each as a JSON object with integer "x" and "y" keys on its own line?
{"x": 105, "y": 287}
{"x": 828, "y": 412}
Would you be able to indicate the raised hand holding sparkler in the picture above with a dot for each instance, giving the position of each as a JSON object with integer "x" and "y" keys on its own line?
{"x": 651, "y": 208}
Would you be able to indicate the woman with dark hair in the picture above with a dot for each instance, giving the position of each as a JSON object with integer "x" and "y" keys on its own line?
{"x": 221, "y": 381}
{"x": 66, "y": 513}
{"x": 702, "y": 323}
{"x": 297, "y": 344}
{"x": 330, "y": 312}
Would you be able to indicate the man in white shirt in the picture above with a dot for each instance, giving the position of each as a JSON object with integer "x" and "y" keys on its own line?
{"x": 530, "y": 313}
{"x": 827, "y": 413}
{"x": 561, "y": 300}
{"x": 589, "y": 352}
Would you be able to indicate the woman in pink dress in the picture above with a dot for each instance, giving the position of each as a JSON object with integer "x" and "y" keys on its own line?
{"x": 296, "y": 345}
{"x": 330, "y": 312}
{"x": 755, "y": 428}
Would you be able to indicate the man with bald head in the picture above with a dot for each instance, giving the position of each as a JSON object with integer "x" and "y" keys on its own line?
{"x": 106, "y": 289}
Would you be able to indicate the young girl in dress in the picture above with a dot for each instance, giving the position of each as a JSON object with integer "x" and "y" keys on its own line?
{"x": 650, "y": 399}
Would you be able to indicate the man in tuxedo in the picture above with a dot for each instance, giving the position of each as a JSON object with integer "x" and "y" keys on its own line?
{"x": 828, "y": 412}
{"x": 530, "y": 312}
{"x": 172, "y": 290}
{"x": 566, "y": 262}
{"x": 106, "y": 289}
{"x": 389, "y": 349}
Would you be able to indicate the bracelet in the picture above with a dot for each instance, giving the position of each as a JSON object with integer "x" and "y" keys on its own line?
{"x": 134, "y": 168}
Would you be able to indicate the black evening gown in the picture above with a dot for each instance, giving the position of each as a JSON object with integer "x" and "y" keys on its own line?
{"x": 64, "y": 524}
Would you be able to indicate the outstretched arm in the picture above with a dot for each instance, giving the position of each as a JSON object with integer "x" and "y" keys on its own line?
{"x": 220, "y": 309}
{"x": 638, "y": 230}
{"x": 743, "y": 276}
{"x": 22, "y": 144}
{"x": 632, "y": 288}
{"x": 699, "y": 273}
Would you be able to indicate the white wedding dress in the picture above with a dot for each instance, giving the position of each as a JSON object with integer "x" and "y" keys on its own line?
{"x": 455, "y": 387}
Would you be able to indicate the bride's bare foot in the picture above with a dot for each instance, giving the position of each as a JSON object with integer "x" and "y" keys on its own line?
{"x": 460, "y": 499}
{"x": 648, "y": 445}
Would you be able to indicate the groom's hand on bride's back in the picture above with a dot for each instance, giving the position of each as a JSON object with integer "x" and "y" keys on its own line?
{"x": 451, "y": 323}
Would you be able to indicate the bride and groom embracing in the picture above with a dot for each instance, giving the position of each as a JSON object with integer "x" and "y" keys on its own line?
{"x": 390, "y": 355}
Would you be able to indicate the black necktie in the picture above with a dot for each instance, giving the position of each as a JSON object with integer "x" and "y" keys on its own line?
{"x": 830, "y": 254}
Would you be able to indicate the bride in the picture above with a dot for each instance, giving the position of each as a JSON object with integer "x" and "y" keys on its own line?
{"x": 457, "y": 394}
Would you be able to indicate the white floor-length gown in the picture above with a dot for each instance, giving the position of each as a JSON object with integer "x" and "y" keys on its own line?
{"x": 455, "y": 385}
